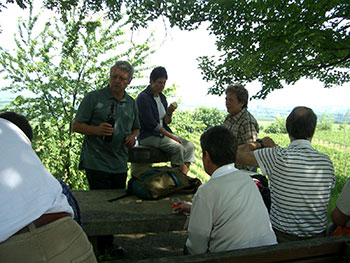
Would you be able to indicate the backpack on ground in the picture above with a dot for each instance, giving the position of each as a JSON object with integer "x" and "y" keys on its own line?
{"x": 155, "y": 182}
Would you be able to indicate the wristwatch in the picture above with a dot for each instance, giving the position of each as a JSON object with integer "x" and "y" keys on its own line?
{"x": 261, "y": 143}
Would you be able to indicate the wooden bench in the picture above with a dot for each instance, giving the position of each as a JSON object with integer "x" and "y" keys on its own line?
{"x": 128, "y": 215}
{"x": 322, "y": 250}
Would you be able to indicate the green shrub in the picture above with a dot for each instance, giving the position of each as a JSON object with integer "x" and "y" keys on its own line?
{"x": 183, "y": 123}
{"x": 278, "y": 126}
{"x": 209, "y": 116}
{"x": 326, "y": 122}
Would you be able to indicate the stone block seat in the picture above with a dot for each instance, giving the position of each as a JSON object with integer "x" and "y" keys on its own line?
{"x": 145, "y": 154}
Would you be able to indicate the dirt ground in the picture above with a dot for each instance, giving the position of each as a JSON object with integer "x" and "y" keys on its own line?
{"x": 147, "y": 246}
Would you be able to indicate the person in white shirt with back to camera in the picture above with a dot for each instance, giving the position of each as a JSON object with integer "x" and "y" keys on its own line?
{"x": 228, "y": 211}
{"x": 36, "y": 220}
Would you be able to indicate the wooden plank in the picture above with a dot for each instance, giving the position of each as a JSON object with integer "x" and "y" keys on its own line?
{"x": 325, "y": 250}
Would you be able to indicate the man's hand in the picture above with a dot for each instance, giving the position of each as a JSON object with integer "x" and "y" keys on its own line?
{"x": 176, "y": 139}
{"x": 130, "y": 141}
{"x": 182, "y": 207}
{"x": 170, "y": 135}
{"x": 104, "y": 129}
{"x": 268, "y": 142}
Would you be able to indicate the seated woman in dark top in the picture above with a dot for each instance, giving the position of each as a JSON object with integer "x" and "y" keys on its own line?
{"x": 155, "y": 115}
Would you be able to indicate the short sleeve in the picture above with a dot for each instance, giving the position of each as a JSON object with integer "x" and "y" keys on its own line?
{"x": 266, "y": 159}
{"x": 343, "y": 202}
{"x": 85, "y": 110}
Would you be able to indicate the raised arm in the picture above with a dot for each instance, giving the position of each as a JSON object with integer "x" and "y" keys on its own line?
{"x": 169, "y": 112}
{"x": 245, "y": 152}
{"x": 245, "y": 155}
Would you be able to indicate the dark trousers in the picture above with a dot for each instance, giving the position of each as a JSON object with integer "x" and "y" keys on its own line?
{"x": 101, "y": 180}
{"x": 284, "y": 237}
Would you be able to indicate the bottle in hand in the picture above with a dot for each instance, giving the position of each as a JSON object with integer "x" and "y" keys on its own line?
{"x": 174, "y": 105}
{"x": 111, "y": 121}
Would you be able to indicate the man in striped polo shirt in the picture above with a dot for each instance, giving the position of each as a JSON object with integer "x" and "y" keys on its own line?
{"x": 301, "y": 178}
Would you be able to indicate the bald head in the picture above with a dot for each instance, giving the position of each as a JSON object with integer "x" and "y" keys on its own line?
{"x": 301, "y": 123}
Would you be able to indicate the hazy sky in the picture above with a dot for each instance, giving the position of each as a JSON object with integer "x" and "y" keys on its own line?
{"x": 177, "y": 51}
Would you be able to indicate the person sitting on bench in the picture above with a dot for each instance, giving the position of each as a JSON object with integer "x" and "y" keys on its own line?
{"x": 33, "y": 208}
{"x": 228, "y": 211}
{"x": 341, "y": 213}
{"x": 301, "y": 178}
{"x": 155, "y": 115}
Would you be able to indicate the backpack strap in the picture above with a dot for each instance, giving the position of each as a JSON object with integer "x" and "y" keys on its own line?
{"x": 128, "y": 193}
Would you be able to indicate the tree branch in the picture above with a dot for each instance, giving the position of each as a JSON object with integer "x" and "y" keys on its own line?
{"x": 326, "y": 65}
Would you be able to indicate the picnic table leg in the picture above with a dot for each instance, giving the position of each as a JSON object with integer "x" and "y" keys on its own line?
{"x": 93, "y": 241}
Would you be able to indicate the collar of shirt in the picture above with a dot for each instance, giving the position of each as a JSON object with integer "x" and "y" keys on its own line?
{"x": 223, "y": 170}
{"x": 238, "y": 115}
{"x": 149, "y": 91}
{"x": 110, "y": 96}
{"x": 300, "y": 142}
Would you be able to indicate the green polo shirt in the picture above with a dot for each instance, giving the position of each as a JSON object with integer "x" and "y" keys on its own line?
{"x": 96, "y": 154}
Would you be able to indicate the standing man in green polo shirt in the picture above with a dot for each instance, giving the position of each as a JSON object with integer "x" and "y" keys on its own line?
{"x": 109, "y": 120}
{"x": 104, "y": 153}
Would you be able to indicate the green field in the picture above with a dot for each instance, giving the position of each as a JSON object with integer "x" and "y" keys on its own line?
{"x": 335, "y": 143}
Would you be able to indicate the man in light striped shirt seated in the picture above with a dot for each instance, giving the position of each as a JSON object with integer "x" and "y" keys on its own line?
{"x": 301, "y": 178}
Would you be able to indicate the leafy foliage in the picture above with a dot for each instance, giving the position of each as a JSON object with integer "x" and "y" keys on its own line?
{"x": 209, "y": 116}
{"x": 198, "y": 120}
{"x": 277, "y": 127}
{"x": 275, "y": 42}
{"x": 269, "y": 41}
{"x": 183, "y": 123}
{"x": 59, "y": 66}
{"x": 21, "y": 3}
{"x": 326, "y": 122}
{"x": 278, "y": 41}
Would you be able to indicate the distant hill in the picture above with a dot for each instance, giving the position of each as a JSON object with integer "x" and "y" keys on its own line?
{"x": 267, "y": 114}
{"x": 4, "y": 102}
{"x": 339, "y": 114}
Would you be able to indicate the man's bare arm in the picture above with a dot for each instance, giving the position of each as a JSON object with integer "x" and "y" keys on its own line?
{"x": 245, "y": 152}
{"x": 246, "y": 158}
{"x": 170, "y": 135}
{"x": 338, "y": 218}
{"x": 103, "y": 129}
